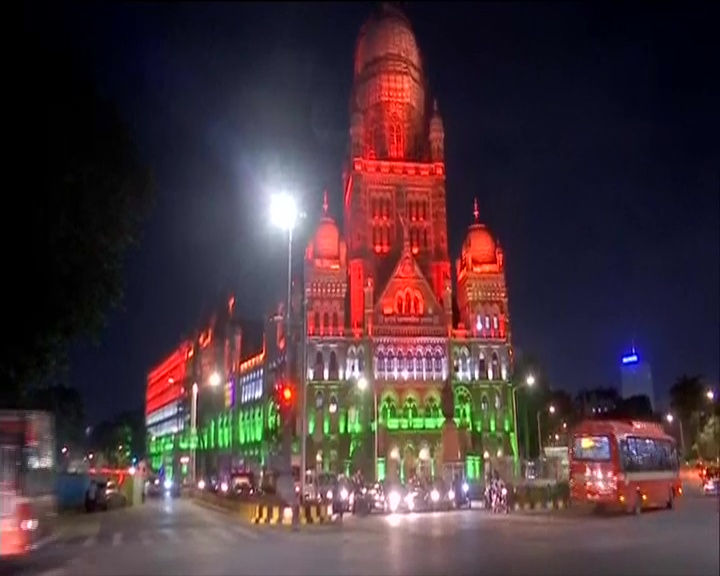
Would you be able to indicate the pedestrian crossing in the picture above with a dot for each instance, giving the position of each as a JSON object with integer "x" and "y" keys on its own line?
{"x": 175, "y": 536}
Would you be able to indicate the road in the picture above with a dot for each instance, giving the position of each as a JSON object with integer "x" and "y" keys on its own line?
{"x": 179, "y": 538}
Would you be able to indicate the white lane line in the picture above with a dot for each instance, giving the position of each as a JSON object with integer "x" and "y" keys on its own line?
{"x": 117, "y": 539}
{"x": 92, "y": 541}
{"x": 170, "y": 534}
{"x": 53, "y": 572}
{"x": 145, "y": 539}
{"x": 246, "y": 532}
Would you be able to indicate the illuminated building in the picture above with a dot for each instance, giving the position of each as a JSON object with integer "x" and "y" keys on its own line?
{"x": 167, "y": 407}
{"x": 379, "y": 299}
{"x": 636, "y": 377}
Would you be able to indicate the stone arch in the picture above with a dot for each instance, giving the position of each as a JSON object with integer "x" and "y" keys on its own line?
{"x": 463, "y": 405}
{"x": 484, "y": 403}
{"x": 410, "y": 407}
{"x": 495, "y": 366}
{"x": 431, "y": 405}
{"x": 482, "y": 366}
{"x": 318, "y": 366}
{"x": 498, "y": 400}
{"x": 333, "y": 367}
{"x": 388, "y": 407}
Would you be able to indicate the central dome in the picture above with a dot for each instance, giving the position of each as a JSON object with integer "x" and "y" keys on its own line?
{"x": 388, "y": 35}
{"x": 480, "y": 244}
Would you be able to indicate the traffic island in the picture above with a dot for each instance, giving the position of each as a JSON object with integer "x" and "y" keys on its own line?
{"x": 263, "y": 511}
{"x": 529, "y": 498}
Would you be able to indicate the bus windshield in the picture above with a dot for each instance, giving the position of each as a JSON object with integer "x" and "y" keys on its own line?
{"x": 591, "y": 448}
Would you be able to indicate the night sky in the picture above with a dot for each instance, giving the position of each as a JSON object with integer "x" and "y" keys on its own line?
{"x": 587, "y": 132}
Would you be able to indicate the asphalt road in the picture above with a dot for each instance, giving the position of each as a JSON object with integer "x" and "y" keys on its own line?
{"x": 179, "y": 538}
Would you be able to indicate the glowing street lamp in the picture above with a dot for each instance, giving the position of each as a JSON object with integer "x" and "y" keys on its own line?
{"x": 670, "y": 418}
{"x": 214, "y": 379}
{"x": 529, "y": 382}
{"x": 710, "y": 395}
{"x": 284, "y": 215}
{"x": 551, "y": 410}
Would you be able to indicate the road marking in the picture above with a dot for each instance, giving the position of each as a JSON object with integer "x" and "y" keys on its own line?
{"x": 170, "y": 534}
{"x": 246, "y": 532}
{"x": 92, "y": 541}
{"x": 117, "y": 539}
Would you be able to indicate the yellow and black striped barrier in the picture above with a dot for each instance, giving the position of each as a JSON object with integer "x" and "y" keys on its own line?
{"x": 282, "y": 515}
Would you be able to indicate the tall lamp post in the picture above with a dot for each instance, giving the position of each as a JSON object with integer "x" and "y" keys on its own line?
{"x": 362, "y": 385}
{"x": 284, "y": 215}
{"x": 551, "y": 410}
{"x": 529, "y": 382}
{"x": 670, "y": 418}
{"x": 213, "y": 381}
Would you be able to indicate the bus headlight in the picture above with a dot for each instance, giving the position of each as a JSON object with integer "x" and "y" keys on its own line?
{"x": 343, "y": 494}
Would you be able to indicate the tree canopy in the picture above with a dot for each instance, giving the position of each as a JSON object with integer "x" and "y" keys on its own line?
{"x": 83, "y": 195}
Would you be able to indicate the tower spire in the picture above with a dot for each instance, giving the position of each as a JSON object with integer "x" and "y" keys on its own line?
{"x": 325, "y": 203}
{"x": 476, "y": 211}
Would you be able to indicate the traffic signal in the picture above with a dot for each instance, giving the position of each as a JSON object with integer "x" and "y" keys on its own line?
{"x": 285, "y": 399}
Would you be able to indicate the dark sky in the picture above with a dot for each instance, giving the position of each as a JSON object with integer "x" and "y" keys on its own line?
{"x": 588, "y": 133}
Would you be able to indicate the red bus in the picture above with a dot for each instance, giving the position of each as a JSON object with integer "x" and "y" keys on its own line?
{"x": 27, "y": 481}
{"x": 627, "y": 464}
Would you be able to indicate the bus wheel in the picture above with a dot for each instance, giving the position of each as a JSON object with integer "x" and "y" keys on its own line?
{"x": 637, "y": 510}
{"x": 671, "y": 499}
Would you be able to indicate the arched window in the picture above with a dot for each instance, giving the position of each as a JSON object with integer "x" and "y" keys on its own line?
{"x": 428, "y": 361}
{"x": 432, "y": 408}
{"x": 418, "y": 362}
{"x": 319, "y": 400}
{"x": 410, "y": 409}
{"x": 495, "y": 322}
{"x": 399, "y": 304}
{"x": 495, "y": 367}
{"x": 396, "y": 141}
{"x": 360, "y": 362}
{"x": 438, "y": 362}
{"x": 401, "y": 361}
{"x": 416, "y": 305}
{"x": 333, "y": 371}
{"x": 498, "y": 401}
{"x": 463, "y": 406}
{"x": 325, "y": 322}
{"x": 484, "y": 403}
{"x": 482, "y": 365}
{"x": 388, "y": 409}
{"x": 408, "y": 303}
{"x": 335, "y": 322}
{"x": 319, "y": 369}
{"x": 316, "y": 323}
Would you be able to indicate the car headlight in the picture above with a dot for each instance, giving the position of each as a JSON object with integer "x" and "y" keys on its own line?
{"x": 435, "y": 495}
{"x": 451, "y": 495}
{"x": 224, "y": 487}
{"x": 465, "y": 487}
{"x": 157, "y": 482}
{"x": 201, "y": 485}
{"x": 343, "y": 494}
{"x": 168, "y": 484}
{"x": 394, "y": 501}
{"x": 329, "y": 495}
{"x": 504, "y": 491}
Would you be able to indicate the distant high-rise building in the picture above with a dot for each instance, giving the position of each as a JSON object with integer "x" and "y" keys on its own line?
{"x": 636, "y": 377}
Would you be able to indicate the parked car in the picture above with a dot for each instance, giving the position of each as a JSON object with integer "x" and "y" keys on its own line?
{"x": 109, "y": 495}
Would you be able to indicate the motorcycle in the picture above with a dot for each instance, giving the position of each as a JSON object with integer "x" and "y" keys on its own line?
{"x": 462, "y": 496}
{"x": 500, "y": 501}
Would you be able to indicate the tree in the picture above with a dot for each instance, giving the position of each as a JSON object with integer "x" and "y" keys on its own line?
{"x": 687, "y": 396}
{"x": 84, "y": 195}
{"x": 708, "y": 441}
{"x": 636, "y": 407}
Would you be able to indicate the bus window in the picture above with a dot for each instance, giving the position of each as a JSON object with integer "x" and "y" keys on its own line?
{"x": 592, "y": 448}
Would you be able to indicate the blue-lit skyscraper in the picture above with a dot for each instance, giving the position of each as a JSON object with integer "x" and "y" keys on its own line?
{"x": 636, "y": 377}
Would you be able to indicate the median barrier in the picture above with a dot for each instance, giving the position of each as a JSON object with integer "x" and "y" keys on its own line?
{"x": 536, "y": 498}
{"x": 282, "y": 515}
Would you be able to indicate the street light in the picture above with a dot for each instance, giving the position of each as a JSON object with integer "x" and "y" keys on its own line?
{"x": 214, "y": 379}
{"x": 284, "y": 215}
{"x": 362, "y": 385}
{"x": 670, "y": 418}
{"x": 710, "y": 395}
{"x": 530, "y": 382}
{"x": 551, "y": 410}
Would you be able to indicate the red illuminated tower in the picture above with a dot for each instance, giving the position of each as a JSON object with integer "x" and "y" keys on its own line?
{"x": 397, "y": 345}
